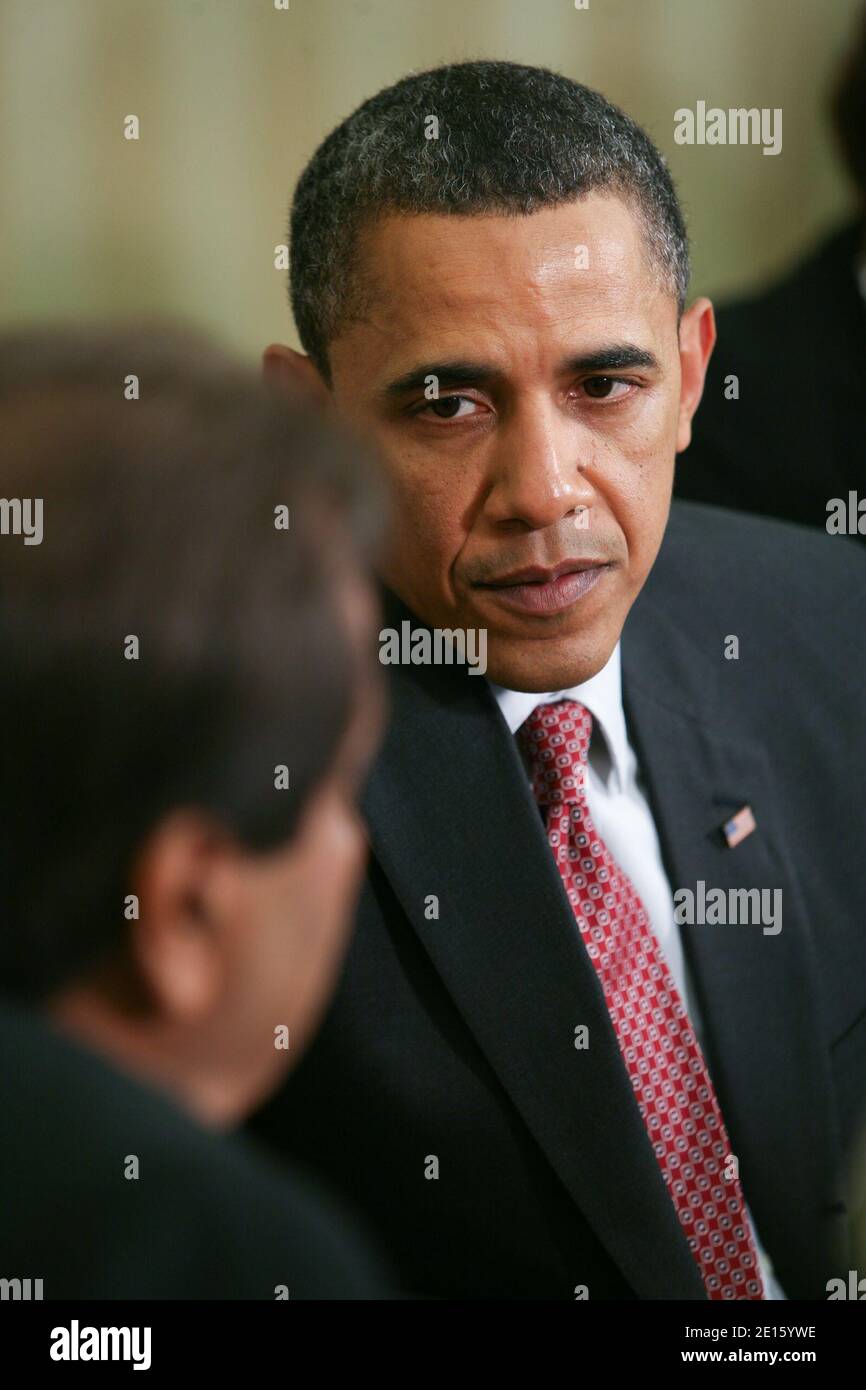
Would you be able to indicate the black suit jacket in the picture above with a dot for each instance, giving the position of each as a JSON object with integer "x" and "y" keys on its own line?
{"x": 208, "y": 1216}
{"x": 797, "y": 435}
{"x": 454, "y": 1037}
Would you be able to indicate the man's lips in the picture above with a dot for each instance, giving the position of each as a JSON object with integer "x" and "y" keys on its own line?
{"x": 536, "y": 589}
{"x": 542, "y": 574}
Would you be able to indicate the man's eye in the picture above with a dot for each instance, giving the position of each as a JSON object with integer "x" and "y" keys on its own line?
{"x": 448, "y": 407}
{"x": 601, "y": 388}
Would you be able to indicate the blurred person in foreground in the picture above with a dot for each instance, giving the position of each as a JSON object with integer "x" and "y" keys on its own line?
{"x": 788, "y": 437}
{"x": 189, "y": 698}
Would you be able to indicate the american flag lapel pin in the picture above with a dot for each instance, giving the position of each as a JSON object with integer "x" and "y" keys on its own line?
{"x": 739, "y": 826}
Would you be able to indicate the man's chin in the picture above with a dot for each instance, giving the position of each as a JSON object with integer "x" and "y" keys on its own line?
{"x": 541, "y": 666}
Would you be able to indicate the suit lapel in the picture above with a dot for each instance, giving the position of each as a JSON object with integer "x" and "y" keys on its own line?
{"x": 756, "y": 992}
{"x": 451, "y": 814}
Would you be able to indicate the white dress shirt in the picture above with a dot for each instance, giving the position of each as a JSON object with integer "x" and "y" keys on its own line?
{"x": 624, "y": 821}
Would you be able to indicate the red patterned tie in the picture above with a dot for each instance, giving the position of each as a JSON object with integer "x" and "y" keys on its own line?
{"x": 671, "y": 1083}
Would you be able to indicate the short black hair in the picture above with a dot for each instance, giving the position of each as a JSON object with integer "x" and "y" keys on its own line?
{"x": 159, "y": 522}
{"x": 512, "y": 139}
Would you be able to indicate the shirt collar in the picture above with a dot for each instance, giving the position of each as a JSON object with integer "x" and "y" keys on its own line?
{"x": 602, "y": 696}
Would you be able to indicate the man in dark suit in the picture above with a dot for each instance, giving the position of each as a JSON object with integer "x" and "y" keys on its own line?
{"x": 602, "y": 1029}
{"x": 184, "y": 734}
{"x": 781, "y": 428}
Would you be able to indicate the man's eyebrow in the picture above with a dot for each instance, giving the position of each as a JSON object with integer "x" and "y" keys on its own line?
{"x": 607, "y": 359}
{"x": 615, "y": 357}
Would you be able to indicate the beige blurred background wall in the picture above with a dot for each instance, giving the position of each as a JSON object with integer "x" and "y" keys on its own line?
{"x": 233, "y": 96}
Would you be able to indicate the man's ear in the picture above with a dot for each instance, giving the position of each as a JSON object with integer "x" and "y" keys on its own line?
{"x": 697, "y": 339}
{"x": 295, "y": 374}
{"x": 185, "y": 879}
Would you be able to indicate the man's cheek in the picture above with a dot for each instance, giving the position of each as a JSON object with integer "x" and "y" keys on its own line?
{"x": 416, "y": 555}
{"x": 646, "y": 475}
{"x": 424, "y": 518}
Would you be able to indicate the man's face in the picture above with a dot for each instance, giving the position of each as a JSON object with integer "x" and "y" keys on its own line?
{"x": 532, "y": 496}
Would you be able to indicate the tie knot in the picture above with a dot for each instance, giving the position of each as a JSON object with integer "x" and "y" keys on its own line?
{"x": 555, "y": 738}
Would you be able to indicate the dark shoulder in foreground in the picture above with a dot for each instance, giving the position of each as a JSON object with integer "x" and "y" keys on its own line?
{"x": 110, "y": 1191}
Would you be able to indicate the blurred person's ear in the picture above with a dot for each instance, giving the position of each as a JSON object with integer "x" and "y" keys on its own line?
{"x": 697, "y": 340}
{"x": 295, "y": 374}
{"x": 238, "y": 949}
{"x": 185, "y": 877}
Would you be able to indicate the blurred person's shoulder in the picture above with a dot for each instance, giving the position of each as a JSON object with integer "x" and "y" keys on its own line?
{"x": 114, "y": 1192}
{"x": 808, "y": 298}
{"x": 778, "y": 431}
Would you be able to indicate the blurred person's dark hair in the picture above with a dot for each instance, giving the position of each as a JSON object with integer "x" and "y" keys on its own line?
{"x": 512, "y": 139}
{"x": 164, "y": 531}
{"x": 849, "y": 109}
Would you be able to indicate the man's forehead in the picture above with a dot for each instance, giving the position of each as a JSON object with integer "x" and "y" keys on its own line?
{"x": 457, "y": 258}
{"x": 569, "y": 271}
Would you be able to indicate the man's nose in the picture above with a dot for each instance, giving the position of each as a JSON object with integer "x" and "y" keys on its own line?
{"x": 537, "y": 469}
